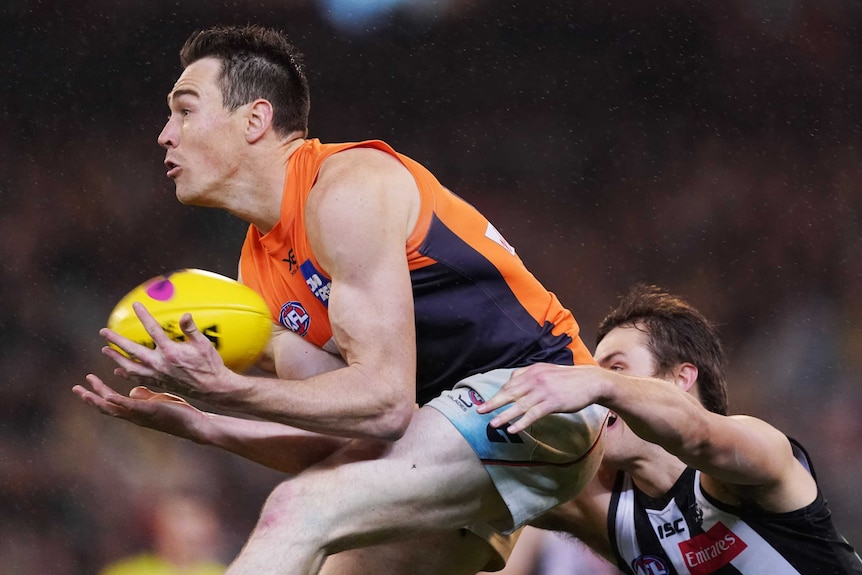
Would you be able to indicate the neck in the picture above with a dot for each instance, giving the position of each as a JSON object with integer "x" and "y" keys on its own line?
{"x": 257, "y": 197}
{"x": 654, "y": 470}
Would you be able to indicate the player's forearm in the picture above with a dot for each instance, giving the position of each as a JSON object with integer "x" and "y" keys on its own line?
{"x": 657, "y": 411}
{"x": 739, "y": 450}
{"x": 344, "y": 403}
{"x": 271, "y": 444}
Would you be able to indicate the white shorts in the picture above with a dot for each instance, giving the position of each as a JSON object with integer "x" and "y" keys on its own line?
{"x": 545, "y": 465}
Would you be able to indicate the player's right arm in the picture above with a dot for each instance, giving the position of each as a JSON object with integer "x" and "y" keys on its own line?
{"x": 358, "y": 217}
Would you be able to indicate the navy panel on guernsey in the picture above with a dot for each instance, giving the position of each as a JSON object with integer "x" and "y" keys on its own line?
{"x": 494, "y": 329}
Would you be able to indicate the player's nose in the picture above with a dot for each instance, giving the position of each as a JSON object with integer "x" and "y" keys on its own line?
{"x": 168, "y": 136}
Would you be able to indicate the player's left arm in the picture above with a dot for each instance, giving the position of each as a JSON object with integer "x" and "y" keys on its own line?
{"x": 741, "y": 457}
{"x": 734, "y": 452}
{"x": 274, "y": 445}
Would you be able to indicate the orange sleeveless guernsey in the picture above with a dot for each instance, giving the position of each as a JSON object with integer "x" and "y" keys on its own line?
{"x": 477, "y": 307}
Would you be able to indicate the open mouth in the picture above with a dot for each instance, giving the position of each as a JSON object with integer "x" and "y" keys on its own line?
{"x": 612, "y": 419}
{"x": 173, "y": 169}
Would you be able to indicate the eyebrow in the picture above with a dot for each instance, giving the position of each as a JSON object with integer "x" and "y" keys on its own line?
{"x": 182, "y": 92}
{"x": 610, "y": 357}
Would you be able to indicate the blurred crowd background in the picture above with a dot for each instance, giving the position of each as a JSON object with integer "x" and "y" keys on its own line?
{"x": 713, "y": 148}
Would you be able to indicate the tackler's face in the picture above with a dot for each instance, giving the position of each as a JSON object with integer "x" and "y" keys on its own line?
{"x": 626, "y": 350}
{"x": 203, "y": 140}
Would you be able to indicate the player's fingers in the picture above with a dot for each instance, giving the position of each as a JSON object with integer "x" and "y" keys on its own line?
{"x": 132, "y": 350}
{"x": 82, "y": 392}
{"x": 99, "y": 386}
{"x": 190, "y": 329}
{"x": 504, "y": 417}
{"x": 519, "y": 371}
{"x": 160, "y": 338}
{"x": 136, "y": 377}
{"x": 528, "y": 407}
{"x": 518, "y": 426}
{"x": 508, "y": 415}
{"x": 525, "y": 417}
{"x": 504, "y": 396}
{"x": 102, "y": 397}
{"x": 130, "y": 365}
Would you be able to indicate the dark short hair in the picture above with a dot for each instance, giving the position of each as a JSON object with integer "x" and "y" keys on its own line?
{"x": 676, "y": 333}
{"x": 257, "y": 62}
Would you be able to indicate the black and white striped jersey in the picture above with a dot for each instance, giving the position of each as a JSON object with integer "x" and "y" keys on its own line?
{"x": 689, "y": 532}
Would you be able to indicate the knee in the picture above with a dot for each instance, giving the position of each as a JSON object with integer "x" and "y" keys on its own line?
{"x": 283, "y": 506}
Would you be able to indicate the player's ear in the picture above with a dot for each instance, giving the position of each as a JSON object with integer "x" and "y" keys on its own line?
{"x": 259, "y": 120}
{"x": 685, "y": 375}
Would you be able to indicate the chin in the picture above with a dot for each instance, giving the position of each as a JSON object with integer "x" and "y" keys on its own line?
{"x": 188, "y": 198}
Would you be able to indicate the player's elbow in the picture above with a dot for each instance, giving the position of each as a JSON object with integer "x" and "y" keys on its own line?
{"x": 392, "y": 422}
{"x": 390, "y": 407}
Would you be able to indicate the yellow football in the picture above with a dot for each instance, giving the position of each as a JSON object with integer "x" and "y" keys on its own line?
{"x": 232, "y": 316}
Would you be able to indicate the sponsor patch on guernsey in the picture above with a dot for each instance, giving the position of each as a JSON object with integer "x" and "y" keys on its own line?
{"x": 294, "y": 317}
{"x": 649, "y": 565}
{"x": 710, "y": 551}
{"x": 318, "y": 283}
{"x": 492, "y": 234}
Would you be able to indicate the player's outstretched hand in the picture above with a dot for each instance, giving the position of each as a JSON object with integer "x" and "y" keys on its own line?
{"x": 539, "y": 390}
{"x": 163, "y": 412}
{"x": 192, "y": 368}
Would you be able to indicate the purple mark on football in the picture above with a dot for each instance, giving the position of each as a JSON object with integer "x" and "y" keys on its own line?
{"x": 162, "y": 290}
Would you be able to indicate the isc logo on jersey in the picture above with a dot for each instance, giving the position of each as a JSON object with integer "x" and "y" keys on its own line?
{"x": 294, "y": 317}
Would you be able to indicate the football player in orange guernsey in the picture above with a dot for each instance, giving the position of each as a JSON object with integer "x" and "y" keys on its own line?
{"x": 388, "y": 291}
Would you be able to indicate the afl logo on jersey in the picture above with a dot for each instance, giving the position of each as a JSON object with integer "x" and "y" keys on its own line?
{"x": 294, "y": 317}
{"x": 475, "y": 397}
{"x": 649, "y": 565}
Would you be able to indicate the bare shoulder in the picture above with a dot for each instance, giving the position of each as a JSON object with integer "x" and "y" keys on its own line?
{"x": 760, "y": 437}
{"x": 759, "y": 469}
{"x": 358, "y": 166}
{"x": 358, "y": 189}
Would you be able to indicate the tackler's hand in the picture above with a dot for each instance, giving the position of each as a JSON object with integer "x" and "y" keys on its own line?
{"x": 539, "y": 390}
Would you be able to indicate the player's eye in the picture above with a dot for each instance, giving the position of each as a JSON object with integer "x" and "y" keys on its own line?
{"x": 181, "y": 112}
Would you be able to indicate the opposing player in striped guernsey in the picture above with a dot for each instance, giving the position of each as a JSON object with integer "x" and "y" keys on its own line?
{"x": 683, "y": 488}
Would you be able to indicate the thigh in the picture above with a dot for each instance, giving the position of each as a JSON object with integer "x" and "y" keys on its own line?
{"x": 536, "y": 469}
{"x": 430, "y": 480}
{"x": 451, "y": 553}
